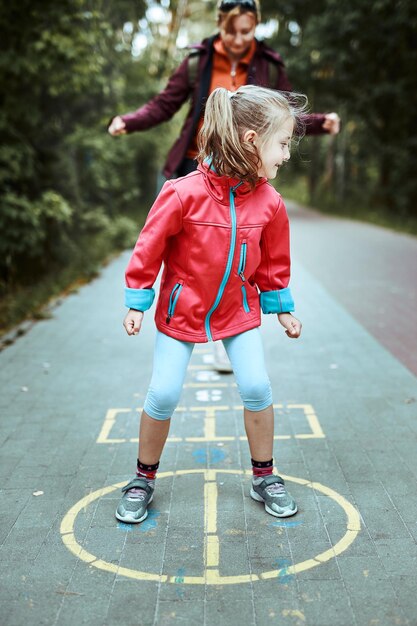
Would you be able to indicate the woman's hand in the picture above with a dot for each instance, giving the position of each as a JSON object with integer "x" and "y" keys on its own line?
{"x": 332, "y": 123}
{"x": 133, "y": 321}
{"x": 117, "y": 126}
{"x": 291, "y": 324}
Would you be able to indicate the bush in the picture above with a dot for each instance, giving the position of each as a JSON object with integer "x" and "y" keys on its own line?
{"x": 26, "y": 227}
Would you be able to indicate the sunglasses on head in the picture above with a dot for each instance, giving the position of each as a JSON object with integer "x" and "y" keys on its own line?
{"x": 228, "y": 5}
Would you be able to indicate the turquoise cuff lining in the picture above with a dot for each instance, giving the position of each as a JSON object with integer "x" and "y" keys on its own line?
{"x": 139, "y": 299}
{"x": 279, "y": 301}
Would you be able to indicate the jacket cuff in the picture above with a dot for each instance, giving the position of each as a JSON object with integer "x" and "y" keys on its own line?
{"x": 314, "y": 124}
{"x": 132, "y": 122}
{"x": 279, "y": 301}
{"x": 139, "y": 299}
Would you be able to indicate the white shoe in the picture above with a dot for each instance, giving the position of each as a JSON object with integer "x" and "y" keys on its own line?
{"x": 221, "y": 361}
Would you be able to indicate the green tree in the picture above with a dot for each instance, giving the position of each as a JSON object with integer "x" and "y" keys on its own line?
{"x": 358, "y": 58}
{"x": 62, "y": 72}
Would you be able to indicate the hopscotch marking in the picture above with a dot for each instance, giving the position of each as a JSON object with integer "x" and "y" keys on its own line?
{"x": 211, "y": 574}
{"x": 209, "y": 388}
{"x": 210, "y": 414}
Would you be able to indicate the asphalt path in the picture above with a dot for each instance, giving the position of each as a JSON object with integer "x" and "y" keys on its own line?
{"x": 370, "y": 270}
{"x": 345, "y": 399}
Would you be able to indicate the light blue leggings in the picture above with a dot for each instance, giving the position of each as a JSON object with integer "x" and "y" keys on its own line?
{"x": 171, "y": 358}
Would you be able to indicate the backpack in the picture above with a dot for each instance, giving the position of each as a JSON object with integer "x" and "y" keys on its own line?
{"x": 193, "y": 60}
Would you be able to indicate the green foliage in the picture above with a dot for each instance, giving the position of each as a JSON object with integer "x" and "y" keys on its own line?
{"x": 65, "y": 70}
{"x": 123, "y": 232}
{"x": 67, "y": 67}
{"x": 29, "y": 223}
{"x": 357, "y": 58}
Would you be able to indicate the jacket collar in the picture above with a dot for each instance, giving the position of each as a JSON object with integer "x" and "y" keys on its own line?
{"x": 261, "y": 48}
{"x": 220, "y": 187}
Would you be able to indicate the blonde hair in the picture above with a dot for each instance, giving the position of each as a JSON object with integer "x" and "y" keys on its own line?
{"x": 228, "y": 115}
{"x": 225, "y": 18}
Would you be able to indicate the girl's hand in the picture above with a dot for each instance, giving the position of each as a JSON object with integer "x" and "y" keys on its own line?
{"x": 117, "y": 126}
{"x": 291, "y": 324}
{"x": 133, "y": 321}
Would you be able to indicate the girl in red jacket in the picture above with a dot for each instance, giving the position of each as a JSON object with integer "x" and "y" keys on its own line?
{"x": 231, "y": 58}
{"x": 222, "y": 234}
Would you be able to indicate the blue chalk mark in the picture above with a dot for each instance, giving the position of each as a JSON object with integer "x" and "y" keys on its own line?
{"x": 283, "y": 577}
{"x": 150, "y": 522}
{"x": 283, "y": 524}
{"x": 179, "y": 578}
{"x": 200, "y": 455}
{"x": 215, "y": 455}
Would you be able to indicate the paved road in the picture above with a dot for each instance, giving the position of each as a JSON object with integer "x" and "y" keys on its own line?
{"x": 371, "y": 271}
{"x": 346, "y": 414}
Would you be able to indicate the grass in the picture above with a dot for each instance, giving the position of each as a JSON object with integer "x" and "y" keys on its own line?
{"x": 297, "y": 190}
{"x": 14, "y": 307}
{"x": 29, "y": 303}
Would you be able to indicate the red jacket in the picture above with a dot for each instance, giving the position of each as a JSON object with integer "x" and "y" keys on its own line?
{"x": 221, "y": 244}
{"x": 178, "y": 90}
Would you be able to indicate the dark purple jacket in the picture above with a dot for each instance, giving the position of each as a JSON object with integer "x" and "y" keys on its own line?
{"x": 163, "y": 106}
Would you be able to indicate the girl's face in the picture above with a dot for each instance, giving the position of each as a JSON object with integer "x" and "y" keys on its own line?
{"x": 276, "y": 150}
{"x": 237, "y": 40}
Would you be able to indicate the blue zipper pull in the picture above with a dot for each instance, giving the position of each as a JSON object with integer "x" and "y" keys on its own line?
{"x": 242, "y": 262}
{"x": 233, "y": 189}
{"x": 173, "y": 301}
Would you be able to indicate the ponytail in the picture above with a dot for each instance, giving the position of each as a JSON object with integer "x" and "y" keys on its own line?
{"x": 219, "y": 139}
{"x": 229, "y": 114}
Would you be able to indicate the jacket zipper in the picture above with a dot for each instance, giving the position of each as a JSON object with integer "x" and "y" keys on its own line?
{"x": 242, "y": 261}
{"x": 233, "y": 74}
{"x": 173, "y": 299}
{"x": 229, "y": 261}
{"x": 240, "y": 271}
{"x": 245, "y": 300}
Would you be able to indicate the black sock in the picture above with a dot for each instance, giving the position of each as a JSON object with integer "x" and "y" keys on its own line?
{"x": 262, "y": 468}
{"x": 146, "y": 471}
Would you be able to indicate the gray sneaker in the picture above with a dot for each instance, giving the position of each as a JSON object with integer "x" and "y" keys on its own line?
{"x": 271, "y": 490}
{"x": 133, "y": 507}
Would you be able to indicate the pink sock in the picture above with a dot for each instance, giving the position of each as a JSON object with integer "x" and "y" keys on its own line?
{"x": 261, "y": 469}
{"x": 146, "y": 471}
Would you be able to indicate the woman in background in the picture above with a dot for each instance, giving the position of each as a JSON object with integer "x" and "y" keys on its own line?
{"x": 231, "y": 58}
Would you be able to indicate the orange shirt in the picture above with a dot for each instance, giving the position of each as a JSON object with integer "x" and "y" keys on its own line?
{"x": 225, "y": 74}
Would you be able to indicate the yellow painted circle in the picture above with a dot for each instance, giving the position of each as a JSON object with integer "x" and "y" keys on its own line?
{"x": 211, "y": 577}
